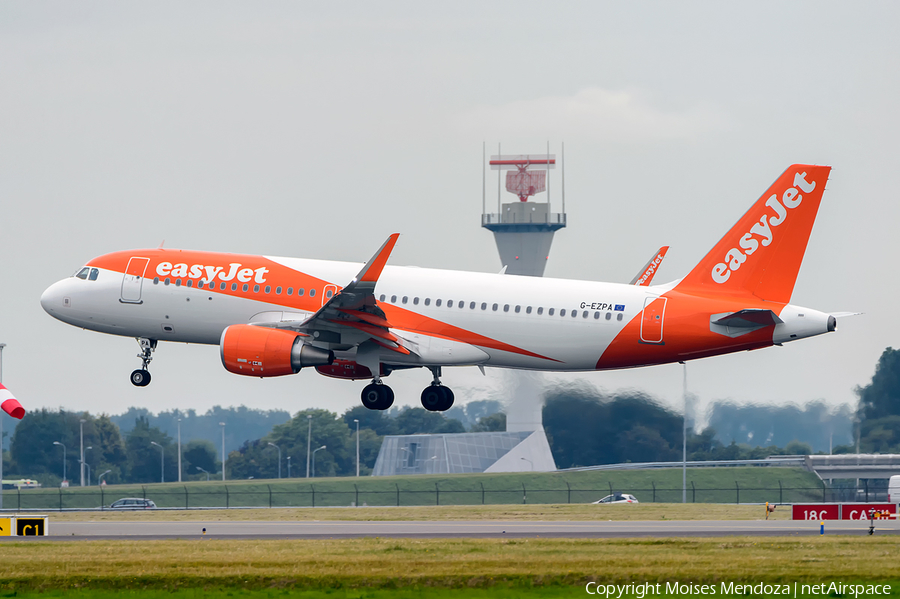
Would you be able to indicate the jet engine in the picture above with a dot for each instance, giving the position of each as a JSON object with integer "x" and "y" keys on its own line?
{"x": 264, "y": 351}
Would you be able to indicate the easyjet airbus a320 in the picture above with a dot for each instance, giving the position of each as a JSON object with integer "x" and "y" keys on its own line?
{"x": 273, "y": 316}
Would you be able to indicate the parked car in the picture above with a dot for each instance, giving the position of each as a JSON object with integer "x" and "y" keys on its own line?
{"x": 132, "y": 503}
{"x": 618, "y": 498}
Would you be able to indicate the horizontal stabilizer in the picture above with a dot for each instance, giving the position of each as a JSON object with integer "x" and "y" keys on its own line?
{"x": 749, "y": 318}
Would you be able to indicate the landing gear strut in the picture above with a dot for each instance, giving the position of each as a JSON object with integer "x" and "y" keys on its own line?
{"x": 141, "y": 377}
{"x": 436, "y": 397}
{"x": 377, "y": 396}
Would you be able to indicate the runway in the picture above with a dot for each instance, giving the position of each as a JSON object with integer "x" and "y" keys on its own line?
{"x": 449, "y": 529}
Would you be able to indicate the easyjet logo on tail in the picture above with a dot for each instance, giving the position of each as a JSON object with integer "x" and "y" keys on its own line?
{"x": 762, "y": 231}
{"x": 167, "y": 269}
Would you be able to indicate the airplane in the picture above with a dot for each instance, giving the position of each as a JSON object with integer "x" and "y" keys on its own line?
{"x": 273, "y": 316}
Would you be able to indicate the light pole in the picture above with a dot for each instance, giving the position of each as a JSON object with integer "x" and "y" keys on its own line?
{"x": 2, "y": 345}
{"x": 64, "y": 458}
{"x": 100, "y": 478}
{"x": 356, "y": 420}
{"x": 530, "y": 463}
{"x": 279, "y": 458}
{"x": 684, "y": 440}
{"x": 289, "y": 466}
{"x": 179, "y": 450}
{"x": 202, "y": 470}
{"x": 162, "y": 454}
{"x": 81, "y": 445}
{"x": 88, "y": 466}
{"x": 308, "y": 441}
{"x": 222, "y": 424}
{"x": 314, "y": 459}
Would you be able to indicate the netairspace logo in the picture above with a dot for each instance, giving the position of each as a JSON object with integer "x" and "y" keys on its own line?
{"x": 648, "y": 589}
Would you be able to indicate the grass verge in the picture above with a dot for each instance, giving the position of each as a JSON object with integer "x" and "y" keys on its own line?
{"x": 392, "y": 564}
{"x": 542, "y": 512}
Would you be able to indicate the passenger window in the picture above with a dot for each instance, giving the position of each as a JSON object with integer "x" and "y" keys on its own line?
{"x": 405, "y": 299}
{"x": 256, "y": 289}
{"x": 518, "y": 309}
{"x": 596, "y": 315}
{"x": 575, "y": 313}
{"x": 550, "y": 311}
{"x": 619, "y": 316}
{"x": 506, "y": 307}
{"x": 290, "y": 291}
{"x": 156, "y": 281}
{"x": 562, "y": 312}
{"x": 278, "y": 291}
{"x": 312, "y": 293}
{"x": 300, "y": 292}
{"x": 585, "y": 315}
{"x": 190, "y": 282}
{"x": 528, "y": 310}
{"x": 393, "y": 299}
{"x": 494, "y": 307}
{"x": 427, "y": 301}
{"x": 269, "y": 289}
{"x": 437, "y": 303}
{"x": 234, "y": 286}
{"x": 221, "y": 286}
{"x": 540, "y": 311}
{"x": 178, "y": 282}
{"x": 94, "y": 273}
{"x": 608, "y": 315}
{"x": 415, "y": 301}
{"x": 449, "y": 303}
{"x": 471, "y": 305}
{"x": 245, "y": 287}
{"x": 484, "y": 305}
{"x": 382, "y": 297}
{"x": 83, "y": 273}
{"x": 167, "y": 281}
{"x": 328, "y": 293}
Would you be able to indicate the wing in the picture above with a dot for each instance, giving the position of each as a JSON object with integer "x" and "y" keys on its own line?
{"x": 352, "y": 315}
{"x": 645, "y": 276}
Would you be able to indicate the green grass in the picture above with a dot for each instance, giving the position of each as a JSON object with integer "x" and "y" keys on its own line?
{"x": 357, "y": 567}
{"x": 705, "y": 485}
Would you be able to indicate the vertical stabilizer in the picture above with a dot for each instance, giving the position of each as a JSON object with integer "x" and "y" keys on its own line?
{"x": 761, "y": 254}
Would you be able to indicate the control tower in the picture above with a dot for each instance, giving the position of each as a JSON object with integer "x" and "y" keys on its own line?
{"x": 523, "y": 229}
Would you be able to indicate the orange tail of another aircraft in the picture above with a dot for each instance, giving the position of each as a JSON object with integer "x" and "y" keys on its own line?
{"x": 761, "y": 254}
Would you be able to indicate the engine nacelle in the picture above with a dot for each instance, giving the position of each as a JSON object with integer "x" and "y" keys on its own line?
{"x": 348, "y": 369}
{"x": 264, "y": 351}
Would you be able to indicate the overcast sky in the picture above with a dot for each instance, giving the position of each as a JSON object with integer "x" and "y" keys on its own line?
{"x": 317, "y": 129}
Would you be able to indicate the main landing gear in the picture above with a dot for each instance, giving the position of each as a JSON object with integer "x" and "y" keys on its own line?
{"x": 436, "y": 397}
{"x": 141, "y": 377}
{"x": 377, "y": 395}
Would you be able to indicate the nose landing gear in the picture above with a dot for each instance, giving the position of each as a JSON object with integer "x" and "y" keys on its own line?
{"x": 141, "y": 377}
{"x": 436, "y": 397}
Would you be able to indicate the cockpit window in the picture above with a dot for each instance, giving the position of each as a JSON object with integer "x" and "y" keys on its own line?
{"x": 94, "y": 273}
{"x": 83, "y": 273}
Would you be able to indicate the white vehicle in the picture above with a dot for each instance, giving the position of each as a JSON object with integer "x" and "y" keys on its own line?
{"x": 133, "y": 503}
{"x": 618, "y": 498}
{"x": 894, "y": 489}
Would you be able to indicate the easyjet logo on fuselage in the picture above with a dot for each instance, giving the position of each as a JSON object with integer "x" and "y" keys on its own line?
{"x": 761, "y": 232}
{"x": 210, "y": 273}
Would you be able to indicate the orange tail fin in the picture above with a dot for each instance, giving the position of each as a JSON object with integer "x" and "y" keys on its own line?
{"x": 761, "y": 254}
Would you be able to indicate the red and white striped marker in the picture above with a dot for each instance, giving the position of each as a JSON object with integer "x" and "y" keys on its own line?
{"x": 10, "y": 404}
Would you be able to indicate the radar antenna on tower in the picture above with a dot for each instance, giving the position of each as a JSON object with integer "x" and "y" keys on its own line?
{"x": 524, "y": 230}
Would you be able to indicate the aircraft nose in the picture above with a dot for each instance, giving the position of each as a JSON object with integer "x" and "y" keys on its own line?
{"x": 53, "y": 298}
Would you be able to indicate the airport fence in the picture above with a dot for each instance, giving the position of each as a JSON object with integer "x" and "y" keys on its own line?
{"x": 338, "y": 493}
